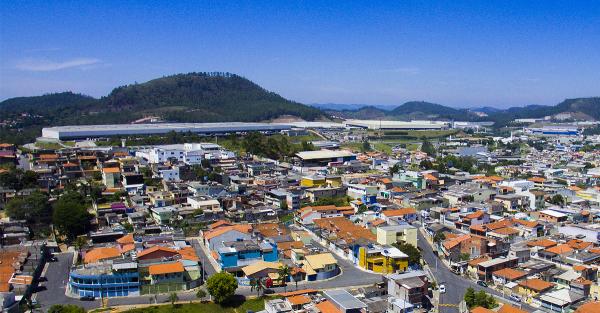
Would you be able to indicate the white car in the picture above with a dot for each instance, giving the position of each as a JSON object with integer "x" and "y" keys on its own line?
{"x": 442, "y": 288}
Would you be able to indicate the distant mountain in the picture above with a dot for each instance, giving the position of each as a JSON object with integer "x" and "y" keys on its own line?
{"x": 46, "y": 103}
{"x": 486, "y": 110}
{"x": 581, "y": 108}
{"x": 193, "y": 97}
{"x": 428, "y": 110}
{"x": 408, "y": 111}
{"x": 364, "y": 113}
{"x": 350, "y": 106}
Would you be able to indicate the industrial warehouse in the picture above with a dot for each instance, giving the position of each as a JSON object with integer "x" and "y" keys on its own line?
{"x": 96, "y": 131}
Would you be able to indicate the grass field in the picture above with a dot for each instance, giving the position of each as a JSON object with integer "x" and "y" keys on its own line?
{"x": 253, "y": 305}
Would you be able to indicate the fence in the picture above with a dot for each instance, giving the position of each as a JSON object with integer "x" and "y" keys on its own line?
{"x": 161, "y": 288}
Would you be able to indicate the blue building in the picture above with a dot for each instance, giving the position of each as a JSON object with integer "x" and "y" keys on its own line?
{"x": 108, "y": 279}
{"x": 233, "y": 255}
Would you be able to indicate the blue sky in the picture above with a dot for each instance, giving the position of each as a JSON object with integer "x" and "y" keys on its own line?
{"x": 458, "y": 53}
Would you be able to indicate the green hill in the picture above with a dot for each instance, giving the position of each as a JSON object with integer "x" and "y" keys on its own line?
{"x": 203, "y": 97}
{"x": 193, "y": 97}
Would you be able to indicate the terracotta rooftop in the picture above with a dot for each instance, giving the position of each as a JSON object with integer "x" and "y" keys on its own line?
{"x": 536, "y": 284}
{"x": 544, "y": 243}
{"x": 166, "y": 268}
{"x": 345, "y": 229}
{"x": 510, "y": 274}
{"x": 101, "y": 253}
{"x": 560, "y": 249}
{"x": 590, "y": 307}
{"x": 243, "y": 228}
{"x": 507, "y": 308}
{"x": 399, "y": 212}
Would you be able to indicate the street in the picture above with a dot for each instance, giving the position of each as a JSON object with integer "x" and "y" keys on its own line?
{"x": 52, "y": 290}
{"x": 456, "y": 286}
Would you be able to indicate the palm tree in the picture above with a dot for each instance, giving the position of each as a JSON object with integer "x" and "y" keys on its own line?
{"x": 260, "y": 287}
{"x": 200, "y": 294}
{"x": 284, "y": 271}
{"x": 253, "y": 285}
{"x": 173, "y": 298}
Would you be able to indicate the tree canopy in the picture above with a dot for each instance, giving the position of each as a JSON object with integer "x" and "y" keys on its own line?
{"x": 34, "y": 208}
{"x": 221, "y": 286}
{"x": 480, "y": 298}
{"x": 70, "y": 216}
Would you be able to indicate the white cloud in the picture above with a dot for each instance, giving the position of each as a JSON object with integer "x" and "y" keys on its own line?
{"x": 44, "y": 65}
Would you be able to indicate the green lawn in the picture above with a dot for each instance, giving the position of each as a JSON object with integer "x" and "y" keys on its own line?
{"x": 383, "y": 147}
{"x": 254, "y": 305}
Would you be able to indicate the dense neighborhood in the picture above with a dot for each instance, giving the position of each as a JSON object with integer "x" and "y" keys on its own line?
{"x": 467, "y": 221}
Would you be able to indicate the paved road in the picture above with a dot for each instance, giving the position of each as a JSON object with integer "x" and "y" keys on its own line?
{"x": 52, "y": 291}
{"x": 456, "y": 286}
{"x": 58, "y": 272}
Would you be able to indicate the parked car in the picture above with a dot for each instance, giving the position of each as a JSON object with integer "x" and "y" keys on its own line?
{"x": 481, "y": 283}
{"x": 515, "y": 298}
{"x": 442, "y": 288}
{"x": 87, "y": 298}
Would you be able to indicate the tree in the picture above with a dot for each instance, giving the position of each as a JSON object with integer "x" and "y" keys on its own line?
{"x": 34, "y": 208}
{"x": 439, "y": 237}
{"x": 469, "y": 297}
{"x": 481, "y": 298}
{"x": 426, "y": 165}
{"x": 221, "y": 286}
{"x": 414, "y": 255}
{"x": 557, "y": 199}
{"x": 70, "y": 216}
{"x": 80, "y": 242}
{"x": 201, "y": 294}
{"x": 395, "y": 169}
{"x": 428, "y": 147}
{"x": 366, "y": 146}
{"x": 307, "y": 146}
{"x": 361, "y": 209}
{"x": 66, "y": 308}
{"x": 128, "y": 227}
{"x": 173, "y": 298}
{"x": 284, "y": 272}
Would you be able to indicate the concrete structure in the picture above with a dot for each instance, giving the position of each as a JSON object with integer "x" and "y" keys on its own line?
{"x": 106, "y": 279}
{"x": 391, "y": 125}
{"x": 385, "y": 260}
{"x": 388, "y": 235}
{"x": 324, "y": 157}
{"x": 97, "y": 131}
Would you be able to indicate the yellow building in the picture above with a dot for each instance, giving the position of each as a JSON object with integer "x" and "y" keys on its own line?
{"x": 333, "y": 181}
{"x": 388, "y": 235}
{"x": 312, "y": 181}
{"x": 384, "y": 260}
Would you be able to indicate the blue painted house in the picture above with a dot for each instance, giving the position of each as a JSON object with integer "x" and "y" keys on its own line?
{"x": 233, "y": 255}
{"x": 105, "y": 280}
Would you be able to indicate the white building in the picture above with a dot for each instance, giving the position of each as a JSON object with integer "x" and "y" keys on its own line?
{"x": 170, "y": 173}
{"x": 188, "y": 153}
